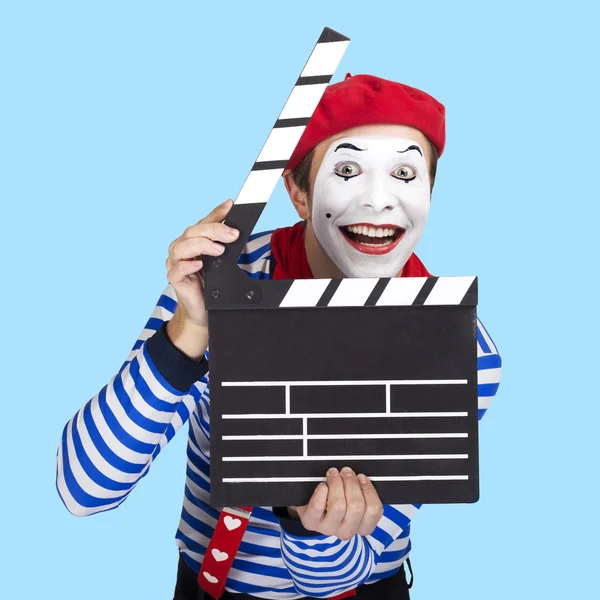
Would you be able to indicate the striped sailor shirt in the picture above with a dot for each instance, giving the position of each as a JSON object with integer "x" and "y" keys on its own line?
{"x": 111, "y": 442}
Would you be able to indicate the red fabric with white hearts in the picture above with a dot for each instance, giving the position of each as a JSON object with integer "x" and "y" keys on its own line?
{"x": 221, "y": 551}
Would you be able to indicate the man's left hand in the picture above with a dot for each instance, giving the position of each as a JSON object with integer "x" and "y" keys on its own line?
{"x": 343, "y": 506}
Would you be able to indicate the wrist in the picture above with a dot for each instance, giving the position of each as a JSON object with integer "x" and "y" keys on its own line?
{"x": 187, "y": 337}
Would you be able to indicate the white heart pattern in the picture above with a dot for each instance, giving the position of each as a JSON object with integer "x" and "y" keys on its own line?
{"x": 231, "y": 523}
{"x": 210, "y": 577}
{"x": 219, "y": 556}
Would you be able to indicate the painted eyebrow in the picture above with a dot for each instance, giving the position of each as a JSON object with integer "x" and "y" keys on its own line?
{"x": 411, "y": 148}
{"x": 350, "y": 146}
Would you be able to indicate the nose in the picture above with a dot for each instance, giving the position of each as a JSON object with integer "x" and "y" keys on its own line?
{"x": 377, "y": 197}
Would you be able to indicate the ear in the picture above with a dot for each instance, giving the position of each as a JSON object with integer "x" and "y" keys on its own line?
{"x": 297, "y": 196}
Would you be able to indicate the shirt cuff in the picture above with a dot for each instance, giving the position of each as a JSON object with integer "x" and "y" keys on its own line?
{"x": 292, "y": 526}
{"x": 178, "y": 369}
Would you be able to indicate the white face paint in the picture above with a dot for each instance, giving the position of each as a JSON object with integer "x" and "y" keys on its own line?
{"x": 370, "y": 205}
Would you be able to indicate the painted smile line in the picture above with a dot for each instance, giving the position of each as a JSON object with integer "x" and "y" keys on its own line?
{"x": 373, "y": 239}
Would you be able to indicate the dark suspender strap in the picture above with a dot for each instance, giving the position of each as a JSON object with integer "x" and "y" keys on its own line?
{"x": 412, "y": 577}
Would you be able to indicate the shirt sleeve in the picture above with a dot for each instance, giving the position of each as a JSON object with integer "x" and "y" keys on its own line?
{"x": 108, "y": 446}
{"x": 489, "y": 366}
{"x": 323, "y": 566}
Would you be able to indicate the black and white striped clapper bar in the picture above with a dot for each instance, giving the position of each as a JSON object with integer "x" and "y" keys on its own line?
{"x": 376, "y": 374}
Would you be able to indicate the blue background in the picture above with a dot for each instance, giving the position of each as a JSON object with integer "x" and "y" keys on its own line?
{"x": 124, "y": 122}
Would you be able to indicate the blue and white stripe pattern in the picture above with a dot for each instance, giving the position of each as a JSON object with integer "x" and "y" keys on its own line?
{"x": 110, "y": 443}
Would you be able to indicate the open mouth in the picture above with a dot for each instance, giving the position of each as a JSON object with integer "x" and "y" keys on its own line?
{"x": 373, "y": 239}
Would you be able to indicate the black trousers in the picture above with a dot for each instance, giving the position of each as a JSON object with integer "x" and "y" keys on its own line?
{"x": 392, "y": 588}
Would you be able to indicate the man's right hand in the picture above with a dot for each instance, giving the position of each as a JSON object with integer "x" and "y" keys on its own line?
{"x": 188, "y": 329}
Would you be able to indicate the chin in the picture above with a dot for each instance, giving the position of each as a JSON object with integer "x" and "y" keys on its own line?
{"x": 375, "y": 266}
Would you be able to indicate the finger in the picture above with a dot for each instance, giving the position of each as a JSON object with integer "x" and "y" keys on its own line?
{"x": 218, "y": 214}
{"x": 186, "y": 249}
{"x": 182, "y": 269}
{"x": 293, "y": 512}
{"x": 312, "y": 514}
{"x": 355, "y": 505}
{"x": 171, "y": 262}
{"x": 336, "y": 503}
{"x": 213, "y": 231}
{"x": 373, "y": 506}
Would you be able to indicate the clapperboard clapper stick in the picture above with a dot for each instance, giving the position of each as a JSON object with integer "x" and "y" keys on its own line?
{"x": 376, "y": 374}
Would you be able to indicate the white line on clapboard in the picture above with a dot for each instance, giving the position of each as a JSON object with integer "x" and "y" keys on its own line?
{"x": 376, "y": 478}
{"x": 346, "y": 457}
{"x": 346, "y": 436}
{"x": 329, "y": 383}
{"x": 345, "y": 415}
{"x": 304, "y": 437}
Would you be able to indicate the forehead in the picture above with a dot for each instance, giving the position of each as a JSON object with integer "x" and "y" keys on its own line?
{"x": 379, "y": 131}
{"x": 369, "y": 144}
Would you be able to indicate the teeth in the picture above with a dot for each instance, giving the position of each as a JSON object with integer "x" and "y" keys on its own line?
{"x": 375, "y": 232}
{"x": 384, "y": 243}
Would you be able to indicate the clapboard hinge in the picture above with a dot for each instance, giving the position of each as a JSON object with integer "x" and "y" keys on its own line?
{"x": 226, "y": 285}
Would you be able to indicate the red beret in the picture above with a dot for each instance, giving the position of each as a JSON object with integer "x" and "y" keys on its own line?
{"x": 370, "y": 100}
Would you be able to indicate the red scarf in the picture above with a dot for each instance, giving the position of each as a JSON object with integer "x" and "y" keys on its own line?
{"x": 287, "y": 245}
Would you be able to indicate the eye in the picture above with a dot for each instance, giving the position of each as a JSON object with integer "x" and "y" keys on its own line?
{"x": 347, "y": 170}
{"x": 405, "y": 173}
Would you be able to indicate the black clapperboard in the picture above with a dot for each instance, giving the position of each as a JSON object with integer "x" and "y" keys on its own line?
{"x": 376, "y": 374}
